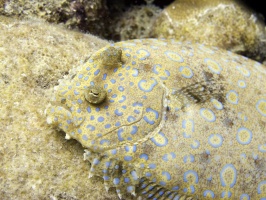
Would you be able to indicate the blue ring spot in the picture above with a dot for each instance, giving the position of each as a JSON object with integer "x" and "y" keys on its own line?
{"x": 262, "y": 148}
{"x": 160, "y": 139}
{"x": 128, "y": 148}
{"x": 243, "y": 71}
{"x": 118, "y": 113}
{"x": 123, "y": 98}
{"x": 90, "y": 127}
{"x": 215, "y": 140}
{"x": 191, "y": 173}
{"x": 232, "y": 97}
{"x": 195, "y": 144}
{"x": 142, "y": 87}
{"x": 244, "y": 136}
{"x": 188, "y": 158}
{"x": 105, "y": 141}
{"x": 230, "y": 170}
{"x": 131, "y": 119}
{"x": 226, "y": 194}
{"x": 174, "y": 56}
{"x": 217, "y": 104}
{"x": 208, "y": 193}
{"x": 207, "y": 114}
{"x": 244, "y": 197}
{"x": 261, "y": 107}
{"x": 205, "y": 49}
{"x": 146, "y": 54}
{"x": 213, "y": 65}
{"x": 144, "y": 156}
{"x": 260, "y": 186}
{"x": 186, "y": 72}
{"x": 134, "y": 130}
{"x": 167, "y": 73}
{"x": 241, "y": 84}
{"x": 173, "y": 155}
{"x": 119, "y": 134}
{"x": 167, "y": 175}
{"x": 135, "y": 72}
{"x": 149, "y": 120}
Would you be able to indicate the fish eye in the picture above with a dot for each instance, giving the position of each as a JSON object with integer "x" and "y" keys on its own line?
{"x": 95, "y": 94}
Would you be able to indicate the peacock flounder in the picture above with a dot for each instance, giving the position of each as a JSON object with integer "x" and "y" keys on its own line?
{"x": 163, "y": 119}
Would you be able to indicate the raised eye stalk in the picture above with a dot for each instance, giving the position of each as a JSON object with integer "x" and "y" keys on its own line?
{"x": 95, "y": 94}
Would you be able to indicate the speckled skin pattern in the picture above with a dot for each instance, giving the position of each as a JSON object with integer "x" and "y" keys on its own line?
{"x": 180, "y": 120}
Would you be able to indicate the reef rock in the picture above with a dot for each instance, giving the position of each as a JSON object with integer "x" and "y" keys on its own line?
{"x": 89, "y": 16}
{"x": 36, "y": 162}
{"x": 223, "y": 23}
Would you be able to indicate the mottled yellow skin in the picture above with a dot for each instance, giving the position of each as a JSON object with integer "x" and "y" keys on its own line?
{"x": 187, "y": 119}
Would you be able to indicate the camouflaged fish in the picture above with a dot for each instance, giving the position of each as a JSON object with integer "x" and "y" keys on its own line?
{"x": 163, "y": 119}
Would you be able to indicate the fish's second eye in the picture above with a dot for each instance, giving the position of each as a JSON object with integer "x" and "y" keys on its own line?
{"x": 95, "y": 94}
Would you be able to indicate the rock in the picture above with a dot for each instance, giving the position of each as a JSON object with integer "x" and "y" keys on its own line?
{"x": 89, "y": 16}
{"x": 134, "y": 23}
{"x": 226, "y": 24}
{"x": 36, "y": 161}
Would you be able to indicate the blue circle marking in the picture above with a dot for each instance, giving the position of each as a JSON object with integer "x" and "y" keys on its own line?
{"x": 215, "y": 140}
{"x": 207, "y": 114}
{"x": 174, "y": 56}
{"x": 213, "y": 65}
{"x": 208, "y": 193}
{"x": 244, "y": 136}
{"x": 144, "y": 86}
{"x": 232, "y": 97}
{"x": 261, "y": 107}
{"x": 160, "y": 139}
{"x": 186, "y": 72}
{"x": 144, "y": 53}
{"x": 230, "y": 178}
